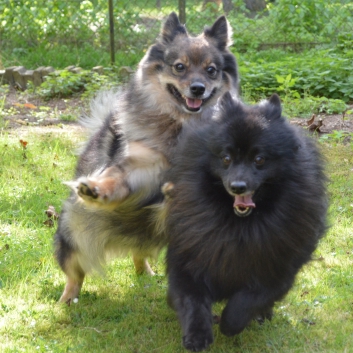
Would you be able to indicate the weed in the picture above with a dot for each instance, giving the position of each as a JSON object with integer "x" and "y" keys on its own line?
{"x": 3, "y": 90}
{"x": 68, "y": 117}
{"x": 337, "y": 137}
{"x": 65, "y": 83}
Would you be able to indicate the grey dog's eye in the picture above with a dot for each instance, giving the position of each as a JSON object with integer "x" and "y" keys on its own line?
{"x": 179, "y": 67}
{"x": 211, "y": 70}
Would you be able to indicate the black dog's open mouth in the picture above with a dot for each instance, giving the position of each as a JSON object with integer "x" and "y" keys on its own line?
{"x": 243, "y": 205}
{"x": 191, "y": 104}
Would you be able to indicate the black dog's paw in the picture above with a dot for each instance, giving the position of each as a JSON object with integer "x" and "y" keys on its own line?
{"x": 232, "y": 328}
{"x": 197, "y": 341}
{"x": 265, "y": 315}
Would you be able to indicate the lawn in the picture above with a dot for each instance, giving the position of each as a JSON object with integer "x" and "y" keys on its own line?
{"x": 122, "y": 312}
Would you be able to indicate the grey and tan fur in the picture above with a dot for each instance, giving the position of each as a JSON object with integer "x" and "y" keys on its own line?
{"x": 118, "y": 174}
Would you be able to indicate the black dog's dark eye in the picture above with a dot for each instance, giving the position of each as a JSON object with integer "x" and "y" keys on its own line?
{"x": 226, "y": 160}
{"x": 259, "y": 160}
{"x": 211, "y": 70}
{"x": 179, "y": 67}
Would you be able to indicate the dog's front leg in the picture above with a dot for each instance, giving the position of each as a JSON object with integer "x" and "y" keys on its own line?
{"x": 106, "y": 189}
{"x": 193, "y": 307}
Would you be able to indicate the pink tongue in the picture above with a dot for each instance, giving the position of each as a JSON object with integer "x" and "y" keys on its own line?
{"x": 193, "y": 103}
{"x": 243, "y": 201}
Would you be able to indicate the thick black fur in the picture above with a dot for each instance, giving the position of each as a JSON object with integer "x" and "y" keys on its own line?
{"x": 250, "y": 261}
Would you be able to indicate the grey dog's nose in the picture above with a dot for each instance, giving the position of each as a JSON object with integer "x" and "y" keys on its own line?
{"x": 238, "y": 187}
{"x": 197, "y": 88}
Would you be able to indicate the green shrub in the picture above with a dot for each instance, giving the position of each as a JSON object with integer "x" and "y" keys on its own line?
{"x": 65, "y": 83}
{"x": 318, "y": 73}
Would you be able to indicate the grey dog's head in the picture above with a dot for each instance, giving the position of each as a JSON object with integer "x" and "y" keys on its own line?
{"x": 189, "y": 73}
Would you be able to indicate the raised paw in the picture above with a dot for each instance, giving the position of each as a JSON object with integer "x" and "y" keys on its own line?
{"x": 104, "y": 191}
{"x": 87, "y": 191}
{"x": 198, "y": 340}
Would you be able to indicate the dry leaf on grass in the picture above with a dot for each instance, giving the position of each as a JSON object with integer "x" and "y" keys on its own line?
{"x": 51, "y": 213}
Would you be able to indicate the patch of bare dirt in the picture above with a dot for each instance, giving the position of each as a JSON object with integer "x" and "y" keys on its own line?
{"x": 21, "y": 109}
{"x": 330, "y": 123}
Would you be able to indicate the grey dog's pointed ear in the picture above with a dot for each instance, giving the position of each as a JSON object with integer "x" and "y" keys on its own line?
{"x": 220, "y": 32}
{"x": 171, "y": 28}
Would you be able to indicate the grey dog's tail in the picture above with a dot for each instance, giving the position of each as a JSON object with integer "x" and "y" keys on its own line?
{"x": 102, "y": 107}
{"x": 101, "y": 125}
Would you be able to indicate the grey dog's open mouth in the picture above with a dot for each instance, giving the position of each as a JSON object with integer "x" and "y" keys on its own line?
{"x": 191, "y": 104}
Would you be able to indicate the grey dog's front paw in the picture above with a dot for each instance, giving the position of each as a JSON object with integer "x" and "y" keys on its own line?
{"x": 87, "y": 191}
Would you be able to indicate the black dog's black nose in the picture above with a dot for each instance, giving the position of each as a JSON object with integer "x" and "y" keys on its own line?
{"x": 197, "y": 88}
{"x": 238, "y": 187}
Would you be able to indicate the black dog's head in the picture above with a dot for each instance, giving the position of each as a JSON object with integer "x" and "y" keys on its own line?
{"x": 251, "y": 151}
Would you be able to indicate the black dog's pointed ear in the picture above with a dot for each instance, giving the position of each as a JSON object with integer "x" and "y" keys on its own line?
{"x": 171, "y": 28}
{"x": 225, "y": 99}
{"x": 228, "y": 102}
{"x": 275, "y": 100}
{"x": 275, "y": 103}
{"x": 220, "y": 32}
{"x": 227, "y": 107}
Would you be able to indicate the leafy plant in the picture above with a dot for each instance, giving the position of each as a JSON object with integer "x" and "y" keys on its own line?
{"x": 65, "y": 83}
{"x": 3, "y": 90}
{"x": 331, "y": 76}
{"x": 337, "y": 137}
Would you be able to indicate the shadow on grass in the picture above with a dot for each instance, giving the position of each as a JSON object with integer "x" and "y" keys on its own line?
{"x": 136, "y": 318}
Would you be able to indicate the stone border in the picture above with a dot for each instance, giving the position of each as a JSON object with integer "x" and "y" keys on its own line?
{"x": 19, "y": 76}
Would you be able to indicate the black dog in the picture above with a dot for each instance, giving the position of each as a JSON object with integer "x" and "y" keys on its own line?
{"x": 246, "y": 208}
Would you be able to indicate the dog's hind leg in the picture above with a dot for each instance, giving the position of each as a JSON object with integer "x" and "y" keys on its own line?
{"x": 72, "y": 290}
{"x": 142, "y": 265}
{"x": 67, "y": 258}
{"x": 74, "y": 279}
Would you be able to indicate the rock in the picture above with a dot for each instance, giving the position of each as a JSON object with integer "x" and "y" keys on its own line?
{"x": 98, "y": 69}
{"x": 37, "y": 76}
{"x": 2, "y": 78}
{"x": 125, "y": 72}
{"x": 76, "y": 70}
{"x": 70, "y": 68}
{"x": 18, "y": 78}
{"x": 47, "y": 70}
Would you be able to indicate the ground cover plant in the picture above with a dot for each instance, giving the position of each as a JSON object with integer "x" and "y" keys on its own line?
{"x": 124, "y": 312}
{"x": 60, "y": 34}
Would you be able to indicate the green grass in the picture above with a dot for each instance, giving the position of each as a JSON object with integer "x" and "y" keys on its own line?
{"x": 122, "y": 312}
